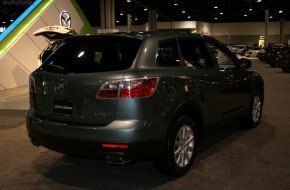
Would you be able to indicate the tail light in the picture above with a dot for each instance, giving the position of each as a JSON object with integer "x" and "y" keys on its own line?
{"x": 32, "y": 86}
{"x": 129, "y": 88}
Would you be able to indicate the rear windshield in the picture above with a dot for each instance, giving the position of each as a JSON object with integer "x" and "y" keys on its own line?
{"x": 93, "y": 54}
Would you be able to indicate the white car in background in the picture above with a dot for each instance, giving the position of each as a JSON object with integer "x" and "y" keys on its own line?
{"x": 54, "y": 36}
{"x": 252, "y": 52}
{"x": 239, "y": 49}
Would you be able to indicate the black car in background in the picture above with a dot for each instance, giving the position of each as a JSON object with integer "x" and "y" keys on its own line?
{"x": 284, "y": 64}
{"x": 134, "y": 96}
{"x": 273, "y": 55}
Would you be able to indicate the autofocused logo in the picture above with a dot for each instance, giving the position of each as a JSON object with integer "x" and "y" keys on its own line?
{"x": 65, "y": 19}
{"x": 56, "y": 86}
{"x": 18, "y": 2}
{"x": 59, "y": 88}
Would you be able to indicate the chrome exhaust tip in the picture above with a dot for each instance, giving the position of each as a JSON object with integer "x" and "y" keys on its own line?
{"x": 35, "y": 143}
{"x": 117, "y": 160}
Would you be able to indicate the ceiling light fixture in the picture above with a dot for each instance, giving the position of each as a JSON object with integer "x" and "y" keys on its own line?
{"x": 250, "y": 9}
{"x": 121, "y": 13}
{"x": 175, "y": 3}
{"x": 221, "y": 13}
{"x": 183, "y": 11}
{"x": 215, "y": 7}
{"x": 128, "y": 1}
{"x": 280, "y": 11}
{"x": 245, "y": 15}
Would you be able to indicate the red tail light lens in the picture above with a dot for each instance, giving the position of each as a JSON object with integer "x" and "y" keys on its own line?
{"x": 138, "y": 88}
{"x": 129, "y": 88}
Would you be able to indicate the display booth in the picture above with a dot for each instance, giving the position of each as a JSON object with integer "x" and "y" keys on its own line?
{"x": 19, "y": 48}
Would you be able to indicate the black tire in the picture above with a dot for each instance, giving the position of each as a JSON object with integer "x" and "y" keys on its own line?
{"x": 272, "y": 65}
{"x": 253, "y": 118}
{"x": 285, "y": 69}
{"x": 181, "y": 148}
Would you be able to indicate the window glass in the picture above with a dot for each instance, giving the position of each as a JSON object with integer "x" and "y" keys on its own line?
{"x": 168, "y": 54}
{"x": 222, "y": 59}
{"x": 194, "y": 53}
{"x": 94, "y": 54}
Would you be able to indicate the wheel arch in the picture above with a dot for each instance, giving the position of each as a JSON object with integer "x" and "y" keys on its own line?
{"x": 191, "y": 110}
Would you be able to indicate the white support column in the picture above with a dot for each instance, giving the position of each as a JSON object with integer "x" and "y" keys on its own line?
{"x": 266, "y": 27}
{"x": 152, "y": 20}
{"x": 282, "y": 30}
{"x": 107, "y": 14}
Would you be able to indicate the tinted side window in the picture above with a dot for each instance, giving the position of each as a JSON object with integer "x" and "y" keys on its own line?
{"x": 194, "y": 53}
{"x": 222, "y": 59}
{"x": 168, "y": 54}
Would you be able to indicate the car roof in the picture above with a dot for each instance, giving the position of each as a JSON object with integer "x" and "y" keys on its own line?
{"x": 152, "y": 35}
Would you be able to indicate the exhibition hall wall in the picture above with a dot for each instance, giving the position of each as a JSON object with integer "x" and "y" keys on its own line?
{"x": 247, "y": 33}
{"x": 21, "y": 58}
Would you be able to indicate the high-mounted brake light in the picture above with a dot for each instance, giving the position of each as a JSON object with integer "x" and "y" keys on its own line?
{"x": 129, "y": 88}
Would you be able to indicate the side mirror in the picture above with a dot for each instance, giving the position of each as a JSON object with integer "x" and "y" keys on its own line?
{"x": 245, "y": 63}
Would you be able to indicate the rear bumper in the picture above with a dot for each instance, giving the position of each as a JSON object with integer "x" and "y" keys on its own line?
{"x": 143, "y": 142}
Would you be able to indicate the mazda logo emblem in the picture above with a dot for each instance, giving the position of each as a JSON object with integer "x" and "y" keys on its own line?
{"x": 65, "y": 19}
{"x": 59, "y": 88}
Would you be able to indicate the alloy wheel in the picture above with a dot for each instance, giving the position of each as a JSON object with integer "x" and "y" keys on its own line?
{"x": 257, "y": 108}
{"x": 184, "y": 146}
